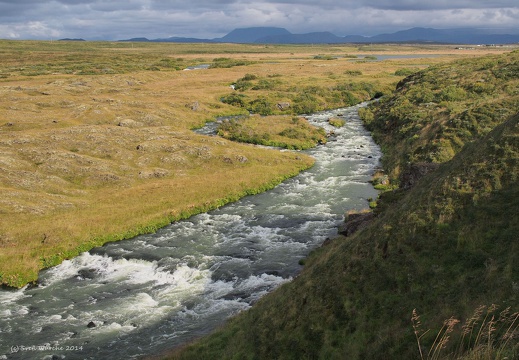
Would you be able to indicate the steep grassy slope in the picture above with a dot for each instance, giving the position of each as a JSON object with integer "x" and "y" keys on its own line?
{"x": 435, "y": 112}
{"x": 446, "y": 246}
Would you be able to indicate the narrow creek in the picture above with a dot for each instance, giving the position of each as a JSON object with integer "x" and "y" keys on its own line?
{"x": 142, "y": 296}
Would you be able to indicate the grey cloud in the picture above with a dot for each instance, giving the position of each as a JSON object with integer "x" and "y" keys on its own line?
{"x": 112, "y": 6}
{"x": 404, "y": 4}
{"x": 118, "y": 19}
{"x": 10, "y": 9}
{"x": 439, "y": 4}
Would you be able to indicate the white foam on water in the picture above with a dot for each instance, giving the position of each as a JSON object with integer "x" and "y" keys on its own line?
{"x": 213, "y": 301}
{"x": 10, "y": 308}
{"x": 320, "y": 209}
{"x": 215, "y": 306}
{"x": 136, "y": 271}
{"x": 283, "y": 207}
{"x": 210, "y": 307}
{"x": 265, "y": 234}
{"x": 11, "y": 296}
{"x": 131, "y": 271}
{"x": 220, "y": 288}
{"x": 113, "y": 328}
{"x": 185, "y": 284}
{"x": 126, "y": 313}
{"x": 260, "y": 281}
{"x": 21, "y": 310}
{"x": 316, "y": 229}
{"x": 70, "y": 268}
{"x": 166, "y": 291}
{"x": 54, "y": 318}
{"x": 142, "y": 244}
{"x": 139, "y": 308}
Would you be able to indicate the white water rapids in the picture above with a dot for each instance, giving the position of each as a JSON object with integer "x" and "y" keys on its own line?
{"x": 154, "y": 292}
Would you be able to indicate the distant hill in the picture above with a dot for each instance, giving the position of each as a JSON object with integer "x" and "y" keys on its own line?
{"x": 310, "y": 38}
{"x": 253, "y": 34}
{"x": 139, "y": 39}
{"x": 171, "y": 39}
{"x": 459, "y": 36}
{"x": 276, "y": 35}
{"x": 68, "y": 39}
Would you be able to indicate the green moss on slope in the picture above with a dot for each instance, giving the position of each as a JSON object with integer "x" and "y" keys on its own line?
{"x": 434, "y": 113}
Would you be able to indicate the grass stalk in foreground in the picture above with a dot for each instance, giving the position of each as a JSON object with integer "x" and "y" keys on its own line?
{"x": 486, "y": 335}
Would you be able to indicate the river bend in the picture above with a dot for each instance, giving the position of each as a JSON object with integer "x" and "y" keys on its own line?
{"x": 153, "y": 292}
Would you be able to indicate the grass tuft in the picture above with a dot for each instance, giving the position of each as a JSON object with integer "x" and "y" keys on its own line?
{"x": 487, "y": 334}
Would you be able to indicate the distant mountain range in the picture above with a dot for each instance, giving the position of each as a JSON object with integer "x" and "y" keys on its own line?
{"x": 276, "y": 35}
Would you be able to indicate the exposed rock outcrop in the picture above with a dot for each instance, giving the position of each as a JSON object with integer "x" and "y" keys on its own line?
{"x": 415, "y": 172}
{"x": 283, "y": 106}
{"x": 355, "y": 222}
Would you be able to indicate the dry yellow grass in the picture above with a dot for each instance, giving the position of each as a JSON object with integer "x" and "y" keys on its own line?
{"x": 86, "y": 159}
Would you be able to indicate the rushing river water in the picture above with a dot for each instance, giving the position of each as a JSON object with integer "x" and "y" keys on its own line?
{"x": 154, "y": 292}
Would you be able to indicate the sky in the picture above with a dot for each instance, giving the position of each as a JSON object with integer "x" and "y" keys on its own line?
{"x": 208, "y": 19}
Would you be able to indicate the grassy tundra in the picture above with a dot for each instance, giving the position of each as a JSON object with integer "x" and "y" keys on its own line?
{"x": 96, "y": 142}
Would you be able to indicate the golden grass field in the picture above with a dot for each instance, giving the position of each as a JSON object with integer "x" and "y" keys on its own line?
{"x": 96, "y": 140}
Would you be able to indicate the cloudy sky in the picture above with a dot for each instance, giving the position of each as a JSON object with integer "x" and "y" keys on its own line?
{"x": 123, "y": 19}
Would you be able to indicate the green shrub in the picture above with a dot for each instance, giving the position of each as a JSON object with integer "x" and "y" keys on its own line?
{"x": 420, "y": 94}
{"x": 404, "y": 72}
{"x": 324, "y": 57}
{"x": 228, "y": 63}
{"x": 242, "y": 85}
{"x": 337, "y": 122}
{"x": 261, "y": 106}
{"x": 306, "y": 104}
{"x": 234, "y": 99}
{"x": 452, "y": 93}
{"x": 249, "y": 77}
{"x": 265, "y": 84}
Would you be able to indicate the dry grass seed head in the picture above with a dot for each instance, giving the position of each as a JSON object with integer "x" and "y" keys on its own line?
{"x": 472, "y": 321}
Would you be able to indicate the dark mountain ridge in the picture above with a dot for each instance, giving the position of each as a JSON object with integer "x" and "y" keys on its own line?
{"x": 253, "y": 34}
{"x": 276, "y": 35}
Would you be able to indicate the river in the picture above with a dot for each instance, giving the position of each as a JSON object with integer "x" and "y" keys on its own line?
{"x": 151, "y": 293}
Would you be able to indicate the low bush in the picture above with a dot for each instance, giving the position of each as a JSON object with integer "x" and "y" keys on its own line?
{"x": 228, "y": 63}
{"x": 405, "y": 72}
{"x": 337, "y": 122}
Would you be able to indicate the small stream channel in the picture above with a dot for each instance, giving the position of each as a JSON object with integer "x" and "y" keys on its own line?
{"x": 142, "y": 296}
